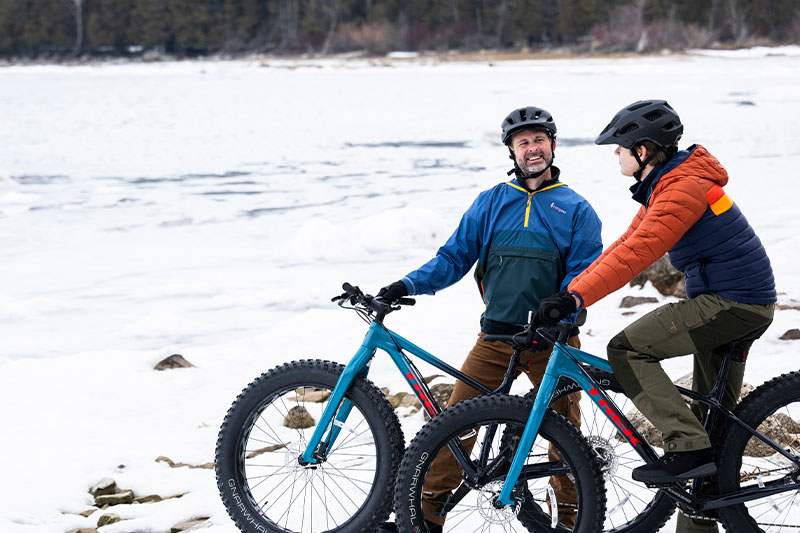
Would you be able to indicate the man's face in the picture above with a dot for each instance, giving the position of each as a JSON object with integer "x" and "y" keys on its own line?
{"x": 533, "y": 150}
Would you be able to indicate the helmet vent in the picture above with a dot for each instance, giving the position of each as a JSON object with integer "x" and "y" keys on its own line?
{"x": 527, "y": 118}
{"x": 654, "y": 115}
{"x": 639, "y": 105}
{"x": 628, "y": 129}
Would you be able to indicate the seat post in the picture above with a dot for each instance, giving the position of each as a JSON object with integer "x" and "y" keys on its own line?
{"x": 513, "y": 363}
{"x": 730, "y": 351}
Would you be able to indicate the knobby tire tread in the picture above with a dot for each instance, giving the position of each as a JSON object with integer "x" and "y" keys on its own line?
{"x": 469, "y": 413}
{"x": 376, "y": 510}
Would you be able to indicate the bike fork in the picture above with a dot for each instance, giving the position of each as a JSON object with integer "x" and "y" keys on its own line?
{"x": 525, "y": 445}
{"x": 338, "y": 408}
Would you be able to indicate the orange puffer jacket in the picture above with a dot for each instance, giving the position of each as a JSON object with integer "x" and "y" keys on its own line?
{"x": 687, "y": 188}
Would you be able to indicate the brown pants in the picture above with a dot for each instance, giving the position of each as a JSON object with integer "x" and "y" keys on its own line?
{"x": 487, "y": 363}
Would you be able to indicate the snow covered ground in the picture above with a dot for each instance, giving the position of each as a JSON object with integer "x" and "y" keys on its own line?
{"x": 213, "y": 208}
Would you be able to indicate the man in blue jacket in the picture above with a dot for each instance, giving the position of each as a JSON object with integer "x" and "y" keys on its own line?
{"x": 529, "y": 237}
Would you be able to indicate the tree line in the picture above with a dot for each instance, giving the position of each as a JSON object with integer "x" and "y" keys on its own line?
{"x": 67, "y": 28}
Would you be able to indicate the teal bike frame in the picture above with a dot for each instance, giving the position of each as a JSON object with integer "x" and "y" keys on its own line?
{"x": 338, "y": 408}
{"x": 566, "y": 361}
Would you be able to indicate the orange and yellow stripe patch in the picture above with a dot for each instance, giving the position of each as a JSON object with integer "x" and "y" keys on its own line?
{"x": 718, "y": 200}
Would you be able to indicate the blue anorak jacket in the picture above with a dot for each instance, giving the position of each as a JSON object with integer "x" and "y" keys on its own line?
{"x": 527, "y": 245}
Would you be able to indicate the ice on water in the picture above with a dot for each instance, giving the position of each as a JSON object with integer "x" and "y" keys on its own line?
{"x": 213, "y": 208}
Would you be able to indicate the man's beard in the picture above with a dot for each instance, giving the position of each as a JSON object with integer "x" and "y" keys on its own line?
{"x": 540, "y": 167}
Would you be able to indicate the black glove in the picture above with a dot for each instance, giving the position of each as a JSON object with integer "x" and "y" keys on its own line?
{"x": 393, "y": 292}
{"x": 536, "y": 341}
{"x": 554, "y": 308}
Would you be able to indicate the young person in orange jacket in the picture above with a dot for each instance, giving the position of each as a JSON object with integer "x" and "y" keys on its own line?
{"x": 729, "y": 284}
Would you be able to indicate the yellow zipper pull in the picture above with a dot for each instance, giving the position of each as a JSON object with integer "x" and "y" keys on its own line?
{"x": 528, "y": 208}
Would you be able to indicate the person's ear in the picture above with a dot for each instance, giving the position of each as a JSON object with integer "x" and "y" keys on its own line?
{"x": 642, "y": 151}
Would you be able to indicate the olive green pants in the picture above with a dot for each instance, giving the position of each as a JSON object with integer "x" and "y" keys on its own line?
{"x": 699, "y": 326}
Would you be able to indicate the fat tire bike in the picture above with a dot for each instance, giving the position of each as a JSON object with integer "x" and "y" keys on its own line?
{"x": 757, "y": 452}
{"x": 314, "y": 446}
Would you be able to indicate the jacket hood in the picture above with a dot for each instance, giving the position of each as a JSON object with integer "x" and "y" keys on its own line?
{"x": 694, "y": 161}
{"x": 698, "y": 163}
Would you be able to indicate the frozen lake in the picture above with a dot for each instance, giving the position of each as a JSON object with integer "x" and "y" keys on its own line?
{"x": 213, "y": 208}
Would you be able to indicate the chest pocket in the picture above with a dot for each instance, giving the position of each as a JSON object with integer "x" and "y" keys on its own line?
{"x": 517, "y": 279}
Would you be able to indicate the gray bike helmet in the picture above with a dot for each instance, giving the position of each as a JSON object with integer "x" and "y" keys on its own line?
{"x": 645, "y": 120}
{"x": 526, "y": 118}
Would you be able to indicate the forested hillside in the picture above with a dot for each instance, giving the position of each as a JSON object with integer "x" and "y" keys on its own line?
{"x": 67, "y": 28}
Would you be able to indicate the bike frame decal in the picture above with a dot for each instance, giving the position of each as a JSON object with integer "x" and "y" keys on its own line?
{"x": 420, "y": 392}
{"x": 611, "y": 412}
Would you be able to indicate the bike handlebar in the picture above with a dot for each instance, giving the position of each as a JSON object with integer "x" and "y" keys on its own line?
{"x": 373, "y": 303}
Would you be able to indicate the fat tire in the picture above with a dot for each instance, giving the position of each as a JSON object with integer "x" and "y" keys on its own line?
{"x": 498, "y": 408}
{"x": 754, "y": 409}
{"x": 372, "y": 404}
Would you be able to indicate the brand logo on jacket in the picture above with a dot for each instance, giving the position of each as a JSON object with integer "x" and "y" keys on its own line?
{"x": 554, "y": 206}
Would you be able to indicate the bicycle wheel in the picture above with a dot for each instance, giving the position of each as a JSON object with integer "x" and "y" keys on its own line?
{"x": 265, "y": 488}
{"x": 746, "y": 462}
{"x": 472, "y": 505}
{"x": 631, "y": 506}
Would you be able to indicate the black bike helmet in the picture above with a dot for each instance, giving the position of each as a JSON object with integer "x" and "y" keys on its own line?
{"x": 645, "y": 120}
{"x": 527, "y": 118}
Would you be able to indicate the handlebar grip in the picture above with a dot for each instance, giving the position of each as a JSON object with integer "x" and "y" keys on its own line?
{"x": 406, "y": 301}
{"x": 349, "y": 289}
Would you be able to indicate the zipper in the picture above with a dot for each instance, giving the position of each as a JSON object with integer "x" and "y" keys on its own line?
{"x": 528, "y": 209}
{"x": 530, "y": 197}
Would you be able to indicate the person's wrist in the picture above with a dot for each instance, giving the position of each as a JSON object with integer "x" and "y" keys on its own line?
{"x": 578, "y": 300}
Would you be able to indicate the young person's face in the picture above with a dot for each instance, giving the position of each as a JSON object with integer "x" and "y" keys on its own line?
{"x": 627, "y": 163}
{"x": 532, "y": 150}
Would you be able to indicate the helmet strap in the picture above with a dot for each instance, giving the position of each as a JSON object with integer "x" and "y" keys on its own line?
{"x": 642, "y": 164}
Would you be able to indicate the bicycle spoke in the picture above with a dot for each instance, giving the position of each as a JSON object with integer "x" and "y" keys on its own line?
{"x": 324, "y": 498}
{"x": 337, "y": 474}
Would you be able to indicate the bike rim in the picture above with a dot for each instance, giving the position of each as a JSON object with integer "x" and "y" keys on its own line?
{"x": 297, "y": 498}
{"x": 535, "y": 496}
{"x": 761, "y": 466}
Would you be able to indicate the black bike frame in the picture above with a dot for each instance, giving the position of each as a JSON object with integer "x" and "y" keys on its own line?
{"x": 691, "y": 497}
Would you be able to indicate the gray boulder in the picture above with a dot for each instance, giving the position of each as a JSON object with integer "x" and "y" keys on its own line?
{"x": 664, "y": 278}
